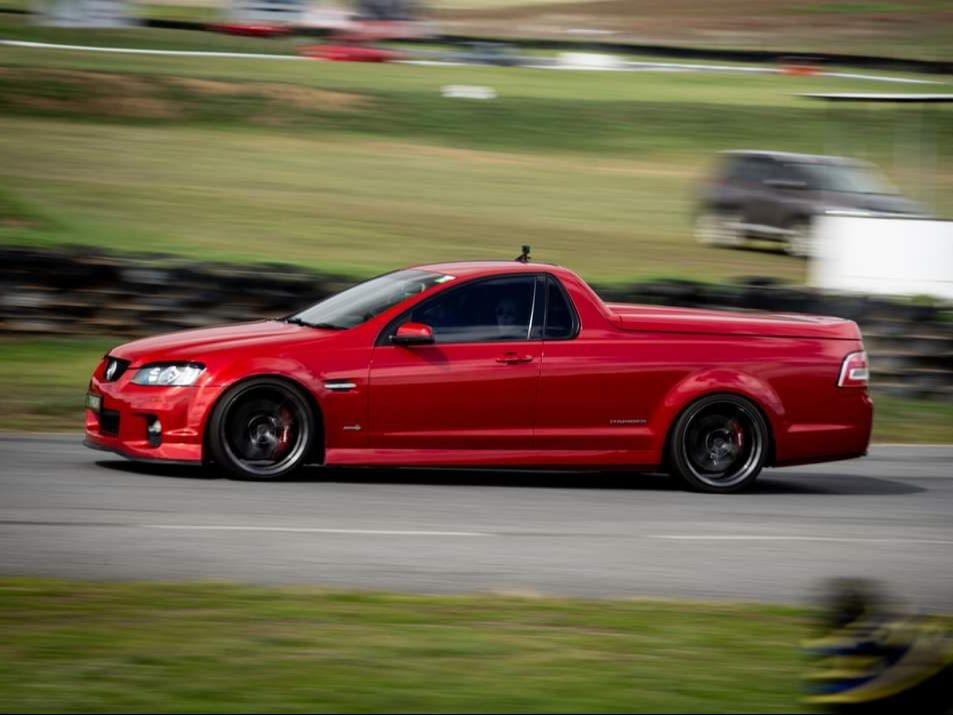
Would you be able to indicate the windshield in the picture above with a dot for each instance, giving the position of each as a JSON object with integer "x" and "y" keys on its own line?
{"x": 846, "y": 178}
{"x": 362, "y": 302}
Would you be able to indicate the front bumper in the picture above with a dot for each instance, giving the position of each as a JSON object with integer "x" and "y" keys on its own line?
{"x": 127, "y": 411}
{"x": 136, "y": 458}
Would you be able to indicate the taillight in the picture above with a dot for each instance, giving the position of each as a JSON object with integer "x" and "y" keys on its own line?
{"x": 854, "y": 371}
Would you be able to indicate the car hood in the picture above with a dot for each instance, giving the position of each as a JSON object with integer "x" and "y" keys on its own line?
{"x": 188, "y": 345}
{"x": 717, "y": 322}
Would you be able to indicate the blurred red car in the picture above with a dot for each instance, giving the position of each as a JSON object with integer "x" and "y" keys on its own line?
{"x": 350, "y": 53}
{"x": 506, "y": 364}
{"x": 251, "y": 29}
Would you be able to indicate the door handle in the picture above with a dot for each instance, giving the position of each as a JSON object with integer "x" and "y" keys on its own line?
{"x": 513, "y": 359}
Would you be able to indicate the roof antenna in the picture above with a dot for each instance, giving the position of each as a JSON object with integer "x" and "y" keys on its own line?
{"x": 524, "y": 256}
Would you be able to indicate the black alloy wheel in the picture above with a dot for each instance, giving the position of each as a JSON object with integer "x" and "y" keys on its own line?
{"x": 719, "y": 444}
{"x": 261, "y": 429}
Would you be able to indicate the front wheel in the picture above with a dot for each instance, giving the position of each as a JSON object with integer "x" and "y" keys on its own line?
{"x": 718, "y": 445}
{"x": 261, "y": 429}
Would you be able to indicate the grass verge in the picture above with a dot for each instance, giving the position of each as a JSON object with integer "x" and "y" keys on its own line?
{"x": 43, "y": 382}
{"x": 358, "y": 169}
{"x": 90, "y": 647}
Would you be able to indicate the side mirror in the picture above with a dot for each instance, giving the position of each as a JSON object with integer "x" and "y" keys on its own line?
{"x": 413, "y": 334}
{"x": 785, "y": 184}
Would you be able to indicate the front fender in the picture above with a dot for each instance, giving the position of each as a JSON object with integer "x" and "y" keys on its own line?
{"x": 225, "y": 377}
{"x": 288, "y": 368}
{"x": 340, "y": 413}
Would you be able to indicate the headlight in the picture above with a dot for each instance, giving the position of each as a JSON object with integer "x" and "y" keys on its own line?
{"x": 175, "y": 374}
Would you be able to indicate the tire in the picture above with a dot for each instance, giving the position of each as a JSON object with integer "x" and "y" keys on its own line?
{"x": 800, "y": 242}
{"x": 718, "y": 444}
{"x": 261, "y": 429}
{"x": 719, "y": 227}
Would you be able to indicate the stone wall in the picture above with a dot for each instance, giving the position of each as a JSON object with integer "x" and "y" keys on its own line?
{"x": 61, "y": 292}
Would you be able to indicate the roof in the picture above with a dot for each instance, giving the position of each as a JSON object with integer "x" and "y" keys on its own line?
{"x": 472, "y": 268}
{"x": 794, "y": 157}
{"x": 878, "y": 97}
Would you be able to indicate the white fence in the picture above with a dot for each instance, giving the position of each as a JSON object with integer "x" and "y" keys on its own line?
{"x": 882, "y": 255}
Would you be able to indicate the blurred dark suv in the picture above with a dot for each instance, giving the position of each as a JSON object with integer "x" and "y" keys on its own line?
{"x": 775, "y": 196}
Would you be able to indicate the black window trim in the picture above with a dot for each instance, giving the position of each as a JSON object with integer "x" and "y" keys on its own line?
{"x": 576, "y": 326}
{"x": 383, "y": 338}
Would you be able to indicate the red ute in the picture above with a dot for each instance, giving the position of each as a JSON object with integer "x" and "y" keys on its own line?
{"x": 502, "y": 364}
{"x": 350, "y": 53}
{"x": 251, "y": 29}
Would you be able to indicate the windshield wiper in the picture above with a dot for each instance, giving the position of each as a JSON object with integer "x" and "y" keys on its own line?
{"x": 297, "y": 321}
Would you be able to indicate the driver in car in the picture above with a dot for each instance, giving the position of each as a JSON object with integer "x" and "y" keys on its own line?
{"x": 508, "y": 323}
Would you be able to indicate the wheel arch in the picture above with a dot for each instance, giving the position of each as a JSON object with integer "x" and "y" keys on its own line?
{"x": 730, "y": 384}
{"x": 317, "y": 452}
{"x": 709, "y": 205}
{"x": 799, "y": 215}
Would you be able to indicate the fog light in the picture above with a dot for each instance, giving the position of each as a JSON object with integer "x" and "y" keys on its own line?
{"x": 154, "y": 432}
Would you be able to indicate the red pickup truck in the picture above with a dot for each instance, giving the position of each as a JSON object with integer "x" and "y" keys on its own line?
{"x": 502, "y": 364}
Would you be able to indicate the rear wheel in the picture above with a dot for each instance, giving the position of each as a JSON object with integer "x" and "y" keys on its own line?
{"x": 719, "y": 227}
{"x": 719, "y": 444}
{"x": 261, "y": 429}
{"x": 800, "y": 240}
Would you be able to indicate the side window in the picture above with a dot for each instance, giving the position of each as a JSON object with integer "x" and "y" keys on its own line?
{"x": 764, "y": 169}
{"x": 794, "y": 172}
{"x": 733, "y": 169}
{"x": 487, "y": 310}
{"x": 751, "y": 170}
{"x": 560, "y": 318}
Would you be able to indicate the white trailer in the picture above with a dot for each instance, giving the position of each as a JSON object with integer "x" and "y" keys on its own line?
{"x": 883, "y": 255}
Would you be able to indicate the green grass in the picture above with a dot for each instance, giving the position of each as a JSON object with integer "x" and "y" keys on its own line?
{"x": 43, "y": 384}
{"x": 358, "y": 169}
{"x": 904, "y": 420}
{"x": 353, "y": 205}
{"x": 19, "y": 27}
{"x": 855, "y": 7}
{"x": 88, "y": 647}
{"x": 44, "y": 381}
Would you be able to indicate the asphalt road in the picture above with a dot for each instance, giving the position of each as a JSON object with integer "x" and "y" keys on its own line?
{"x": 67, "y": 511}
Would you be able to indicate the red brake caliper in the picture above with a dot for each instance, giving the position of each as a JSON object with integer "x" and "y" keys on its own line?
{"x": 284, "y": 433}
{"x": 737, "y": 435}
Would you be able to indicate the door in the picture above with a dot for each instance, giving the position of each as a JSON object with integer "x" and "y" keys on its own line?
{"x": 474, "y": 387}
{"x": 761, "y": 201}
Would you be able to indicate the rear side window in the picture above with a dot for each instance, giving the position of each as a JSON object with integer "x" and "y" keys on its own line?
{"x": 560, "y": 317}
